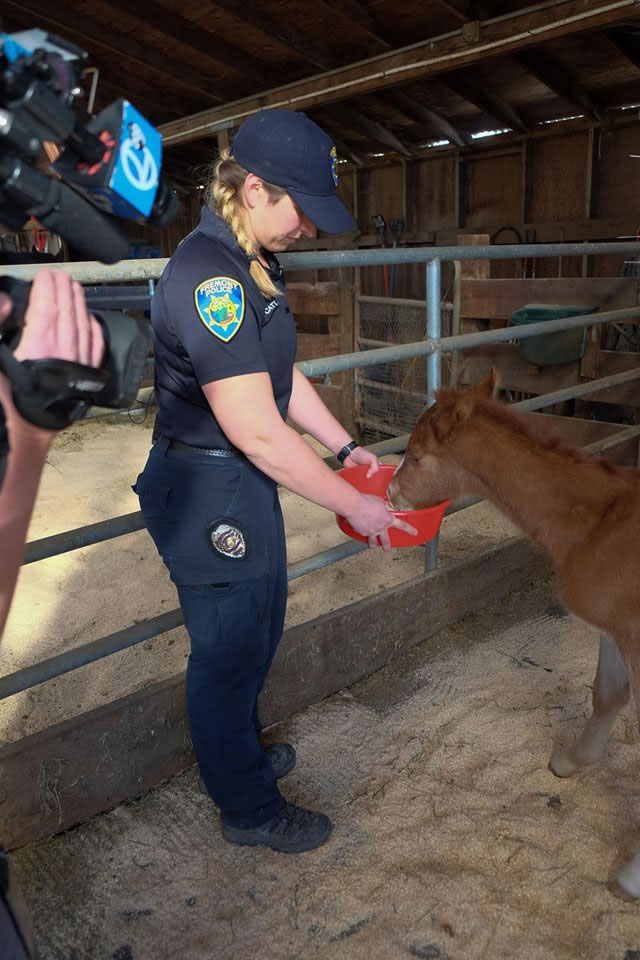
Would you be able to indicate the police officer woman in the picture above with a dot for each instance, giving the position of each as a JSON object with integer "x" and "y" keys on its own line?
{"x": 224, "y": 346}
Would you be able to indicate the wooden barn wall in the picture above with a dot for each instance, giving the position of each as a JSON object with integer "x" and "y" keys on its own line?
{"x": 556, "y": 180}
{"x": 615, "y": 196}
{"x": 565, "y": 186}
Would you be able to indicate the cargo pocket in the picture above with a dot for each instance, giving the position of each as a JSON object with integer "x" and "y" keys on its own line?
{"x": 227, "y": 623}
{"x": 152, "y": 493}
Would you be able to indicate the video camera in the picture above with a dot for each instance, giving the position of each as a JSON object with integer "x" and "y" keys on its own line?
{"x": 108, "y": 166}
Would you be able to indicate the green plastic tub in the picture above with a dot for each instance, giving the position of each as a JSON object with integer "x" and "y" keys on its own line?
{"x": 546, "y": 350}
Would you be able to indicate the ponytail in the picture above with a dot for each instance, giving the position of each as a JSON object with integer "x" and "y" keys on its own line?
{"x": 223, "y": 197}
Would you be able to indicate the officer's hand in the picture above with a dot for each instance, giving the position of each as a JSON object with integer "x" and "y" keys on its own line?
{"x": 373, "y": 519}
{"x": 361, "y": 458}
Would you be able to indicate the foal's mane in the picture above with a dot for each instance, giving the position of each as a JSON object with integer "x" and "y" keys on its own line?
{"x": 540, "y": 434}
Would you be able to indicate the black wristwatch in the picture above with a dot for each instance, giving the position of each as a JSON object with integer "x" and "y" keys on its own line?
{"x": 346, "y": 450}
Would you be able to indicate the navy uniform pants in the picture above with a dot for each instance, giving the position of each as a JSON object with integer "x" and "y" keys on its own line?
{"x": 218, "y": 526}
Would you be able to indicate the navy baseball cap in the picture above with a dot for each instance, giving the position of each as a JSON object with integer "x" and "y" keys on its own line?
{"x": 286, "y": 148}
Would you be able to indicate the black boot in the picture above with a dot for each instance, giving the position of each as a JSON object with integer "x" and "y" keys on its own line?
{"x": 282, "y": 757}
{"x": 293, "y": 830}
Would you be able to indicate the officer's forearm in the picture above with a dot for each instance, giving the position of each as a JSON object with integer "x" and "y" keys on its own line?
{"x": 311, "y": 414}
{"x": 288, "y": 459}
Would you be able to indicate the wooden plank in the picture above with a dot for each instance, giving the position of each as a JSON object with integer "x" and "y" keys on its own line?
{"x": 561, "y": 231}
{"x": 427, "y": 58}
{"x": 498, "y": 299}
{"x": 194, "y": 36}
{"x": 474, "y": 269}
{"x": 67, "y": 773}
{"x": 484, "y": 99}
{"x": 519, "y": 376}
{"x": 344, "y": 326}
{"x": 590, "y": 362}
{"x": 311, "y": 299}
{"x": 576, "y": 432}
{"x": 311, "y": 346}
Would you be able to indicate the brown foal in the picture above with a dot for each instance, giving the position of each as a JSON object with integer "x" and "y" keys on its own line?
{"x": 584, "y": 512}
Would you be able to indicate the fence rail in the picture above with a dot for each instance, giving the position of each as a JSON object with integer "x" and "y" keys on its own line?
{"x": 430, "y": 347}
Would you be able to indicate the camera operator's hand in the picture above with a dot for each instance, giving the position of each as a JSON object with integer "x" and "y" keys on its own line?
{"x": 56, "y": 325}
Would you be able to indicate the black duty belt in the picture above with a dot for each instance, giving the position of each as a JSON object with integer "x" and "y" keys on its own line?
{"x": 191, "y": 451}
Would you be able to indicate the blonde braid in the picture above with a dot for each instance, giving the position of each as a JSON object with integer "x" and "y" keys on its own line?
{"x": 223, "y": 197}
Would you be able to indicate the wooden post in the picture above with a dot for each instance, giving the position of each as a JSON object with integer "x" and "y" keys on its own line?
{"x": 524, "y": 184}
{"x": 591, "y": 359}
{"x": 460, "y": 192}
{"x": 454, "y": 368}
{"x": 224, "y": 140}
{"x": 343, "y": 325}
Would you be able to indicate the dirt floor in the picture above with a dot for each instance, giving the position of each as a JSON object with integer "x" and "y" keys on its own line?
{"x": 81, "y": 596}
{"x": 452, "y": 839}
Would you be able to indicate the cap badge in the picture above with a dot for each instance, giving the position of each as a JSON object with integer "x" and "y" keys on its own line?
{"x": 220, "y": 305}
{"x": 333, "y": 159}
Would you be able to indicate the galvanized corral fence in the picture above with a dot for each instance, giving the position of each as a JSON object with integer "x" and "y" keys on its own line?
{"x": 419, "y": 378}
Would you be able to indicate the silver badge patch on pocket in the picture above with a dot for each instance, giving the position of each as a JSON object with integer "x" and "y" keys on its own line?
{"x": 226, "y": 538}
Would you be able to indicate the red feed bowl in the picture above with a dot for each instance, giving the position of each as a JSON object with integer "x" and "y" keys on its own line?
{"x": 427, "y": 522}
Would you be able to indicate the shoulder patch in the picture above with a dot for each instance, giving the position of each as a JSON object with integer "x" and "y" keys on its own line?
{"x": 220, "y": 305}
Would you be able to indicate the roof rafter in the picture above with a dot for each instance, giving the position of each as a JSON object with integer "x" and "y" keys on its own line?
{"x": 376, "y": 132}
{"x": 432, "y": 57}
{"x": 462, "y": 11}
{"x": 193, "y": 35}
{"x": 554, "y": 76}
{"x": 59, "y": 15}
{"x": 539, "y": 63}
{"x": 626, "y": 42}
{"x": 420, "y": 113}
{"x": 484, "y": 99}
{"x": 360, "y": 18}
{"x": 348, "y": 152}
{"x": 252, "y": 13}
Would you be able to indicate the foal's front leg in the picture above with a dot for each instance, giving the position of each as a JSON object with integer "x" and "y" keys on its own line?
{"x": 627, "y": 884}
{"x": 610, "y": 693}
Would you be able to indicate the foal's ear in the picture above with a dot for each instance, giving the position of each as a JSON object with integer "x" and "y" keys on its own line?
{"x": 484, "y": 389}
{"x": 488, "y": 387}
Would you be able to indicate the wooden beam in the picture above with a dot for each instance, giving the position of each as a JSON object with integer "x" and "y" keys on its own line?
{"x": 314, "y": 299}
{"x": 347, "y": 152}
{"x": 417, "y": 111}
{"x": 517, "y": 375}
{"x": 195, "y": 36}
{"x": 498, "y": 299}
{"x": 355, "y": 15}
{"x": 65, "y": 774}
{"x": 548, "y": 70}
{"x": 554, "y": 76}
{"x": 143, "y": 94}
{"x": 58, "y": 15}
{"x": 484, "y": 100}
{"x": 376, "y": 132}
{"x": 224, "y": 140}
{"x": 277, "y": 29}
{"x": 627, "y": 42}
{"x": 428, "y": 58}
{"x": 461, "y": 10}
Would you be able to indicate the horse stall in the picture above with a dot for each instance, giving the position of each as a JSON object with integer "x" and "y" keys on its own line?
{"x": 487, "y": 152}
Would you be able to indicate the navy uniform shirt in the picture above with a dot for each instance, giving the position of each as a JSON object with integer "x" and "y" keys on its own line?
{"x": 210, "y": 322}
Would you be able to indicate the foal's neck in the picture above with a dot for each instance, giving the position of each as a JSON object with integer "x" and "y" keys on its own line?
{"x": 550, "y": 494}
